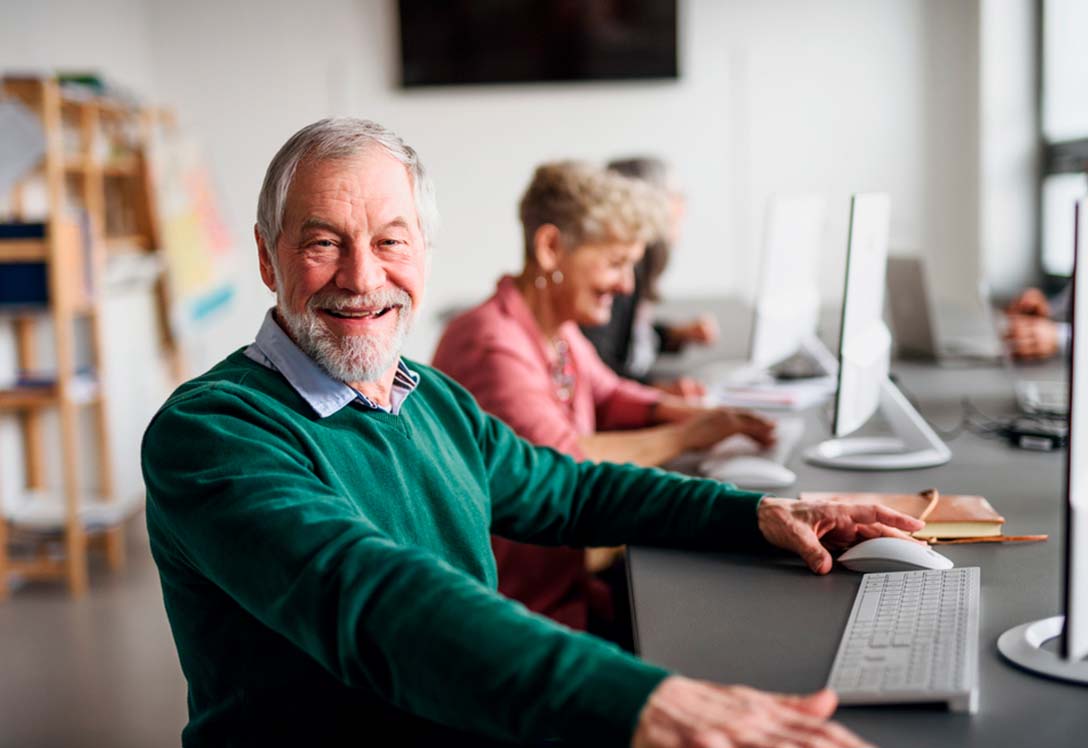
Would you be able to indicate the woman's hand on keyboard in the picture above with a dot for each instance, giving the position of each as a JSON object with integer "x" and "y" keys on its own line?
{"x": 809, "y": 528}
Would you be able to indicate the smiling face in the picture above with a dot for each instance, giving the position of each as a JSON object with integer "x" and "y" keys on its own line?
{"x": 593, "y": 274}
{"x": 350, "y": 264}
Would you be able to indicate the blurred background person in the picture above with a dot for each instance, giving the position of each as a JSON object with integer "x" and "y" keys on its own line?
{"x": 633, "y": 337}
{"x": 1037, "y": 328}
{"x": 523, "y": 357}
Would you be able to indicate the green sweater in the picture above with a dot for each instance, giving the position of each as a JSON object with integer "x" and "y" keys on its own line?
{"x": 328, "y": 580}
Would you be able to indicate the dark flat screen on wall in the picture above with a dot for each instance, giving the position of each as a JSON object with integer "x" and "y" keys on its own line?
{"x": 452, "y": 42}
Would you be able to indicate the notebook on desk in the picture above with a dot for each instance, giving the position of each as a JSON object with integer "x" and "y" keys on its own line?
{"x": 953, "y": 516}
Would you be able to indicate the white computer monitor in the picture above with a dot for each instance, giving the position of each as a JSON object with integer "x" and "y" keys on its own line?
{"x": 864, "y": 358}
{"x": 1023, "y": 644}
{"x": 787, "y": 304}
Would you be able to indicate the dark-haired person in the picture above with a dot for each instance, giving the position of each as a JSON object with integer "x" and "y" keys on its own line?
{"x": 634, "y": 336}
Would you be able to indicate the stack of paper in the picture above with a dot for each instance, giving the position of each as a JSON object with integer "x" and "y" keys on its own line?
{"x": 792, "y": 395}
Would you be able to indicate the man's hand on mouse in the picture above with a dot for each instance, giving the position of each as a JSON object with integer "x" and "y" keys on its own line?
{"x": 809, "y": 528}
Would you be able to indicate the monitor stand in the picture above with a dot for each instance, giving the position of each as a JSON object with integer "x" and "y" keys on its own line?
{"x": 915, "y": 444}
{"x": 810, "y": 361}
{"x": 1023, "y": 647}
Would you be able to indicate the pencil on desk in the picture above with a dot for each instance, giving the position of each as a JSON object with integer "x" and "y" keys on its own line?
{"x": 991, "y": 539}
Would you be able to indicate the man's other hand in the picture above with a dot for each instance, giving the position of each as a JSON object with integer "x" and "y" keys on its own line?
{"x": 810, "y": 528}
{"x": 685, "y": 713}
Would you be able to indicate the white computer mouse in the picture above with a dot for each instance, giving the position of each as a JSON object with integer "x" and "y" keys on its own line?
{"x": 749, "y": 472}
{"x": 892, "y": 554}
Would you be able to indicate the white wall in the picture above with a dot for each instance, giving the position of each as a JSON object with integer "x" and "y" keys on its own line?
{"x": 1009, "y": 143}
{"x": 775, "y": 95}
{"x": 788, "y": 95}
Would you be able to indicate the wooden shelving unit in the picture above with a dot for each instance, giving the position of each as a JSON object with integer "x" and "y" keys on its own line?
{"x": 86, "y": 164}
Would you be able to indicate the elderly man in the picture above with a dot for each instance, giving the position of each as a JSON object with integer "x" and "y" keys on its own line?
{"x": 319, "y": 510}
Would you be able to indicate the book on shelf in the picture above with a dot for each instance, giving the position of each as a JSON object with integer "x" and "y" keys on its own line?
{"x": 953, "y": 516}
{"x": 22, "y": 230}
{"x": 45, "y": 511}
{"x": 82, "y": 385}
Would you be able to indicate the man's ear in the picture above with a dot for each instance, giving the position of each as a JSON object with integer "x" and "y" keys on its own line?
{"x": 547, "y": 247}
{"x": 268, "y": 272}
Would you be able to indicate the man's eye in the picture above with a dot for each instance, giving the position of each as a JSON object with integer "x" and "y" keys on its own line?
{"x": 322, "y": 243}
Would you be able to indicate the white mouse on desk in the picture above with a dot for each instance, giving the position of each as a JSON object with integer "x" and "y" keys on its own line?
{"x": 749, "y": 472}
{"x": 892, "y": 554}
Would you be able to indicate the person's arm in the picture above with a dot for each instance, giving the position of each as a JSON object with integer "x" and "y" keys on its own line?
{"x": 234, "y": 494}
{"x": 535, "y": 491}
{"x": 688, "y": 428}
{"x": 670, "y": 425}
{"x": 647, "y": 447}
{"x": 702, "y": 330}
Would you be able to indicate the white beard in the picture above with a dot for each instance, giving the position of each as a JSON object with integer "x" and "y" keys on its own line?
{"x": 351, "y": 358}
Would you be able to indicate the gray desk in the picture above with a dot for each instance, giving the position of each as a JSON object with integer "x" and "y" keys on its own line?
{"x": 770, "y": 623}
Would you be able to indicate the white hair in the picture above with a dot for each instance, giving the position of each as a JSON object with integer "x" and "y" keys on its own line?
{"x": 330, "y": 140}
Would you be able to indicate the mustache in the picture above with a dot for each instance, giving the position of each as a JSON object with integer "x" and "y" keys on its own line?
{"x": 378, "y": 299}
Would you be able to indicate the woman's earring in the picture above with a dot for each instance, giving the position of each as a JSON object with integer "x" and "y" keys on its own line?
{"x": 541, "y": 282}
{"x": 557, "y": 277}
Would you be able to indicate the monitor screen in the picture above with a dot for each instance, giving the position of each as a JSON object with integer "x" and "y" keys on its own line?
{"x": 864, "y": 341}
{"x": 1075, "y": 638}
{"x": 787, "y": 306}
{"x": 450, "y": 42}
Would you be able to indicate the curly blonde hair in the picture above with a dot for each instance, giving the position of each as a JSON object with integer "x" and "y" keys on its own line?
{"x": 590, "y": 204}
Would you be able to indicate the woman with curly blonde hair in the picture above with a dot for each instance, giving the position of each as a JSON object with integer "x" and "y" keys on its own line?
{"x": 522, "y": 355}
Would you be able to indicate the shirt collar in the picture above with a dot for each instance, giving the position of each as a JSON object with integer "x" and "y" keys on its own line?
{"x": 275, "y": 349}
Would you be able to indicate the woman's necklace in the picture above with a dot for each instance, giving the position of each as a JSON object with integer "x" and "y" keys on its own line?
{"x": 562, "y": 370}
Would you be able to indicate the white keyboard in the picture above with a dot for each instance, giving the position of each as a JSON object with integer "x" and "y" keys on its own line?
{"x": 912, "y": 637}
{"x": 1043, "y": 397}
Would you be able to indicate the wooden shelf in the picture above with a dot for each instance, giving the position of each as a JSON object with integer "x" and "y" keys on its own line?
{"x": 76, "y": 164}
{"x": 24, "y": 250}
{"x": 95, "y": 151}
{"x": 122, "y": 167}
{"x": 36, "y": 398}
{"x": 28, "y": 398}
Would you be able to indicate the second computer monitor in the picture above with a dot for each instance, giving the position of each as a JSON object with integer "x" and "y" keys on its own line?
{"x": 864, "y": 359}
{"x": 787, "y": 304}
{"x": 865, "y": 343}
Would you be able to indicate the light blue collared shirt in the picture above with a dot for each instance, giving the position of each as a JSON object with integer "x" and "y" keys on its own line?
{"x": 274, "y": 349}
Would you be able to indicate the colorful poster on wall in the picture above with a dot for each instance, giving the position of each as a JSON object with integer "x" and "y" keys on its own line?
{"x": 196, "y": 244}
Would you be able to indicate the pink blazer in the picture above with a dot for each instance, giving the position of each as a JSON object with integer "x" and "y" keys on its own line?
{"x": 498, "y": 353}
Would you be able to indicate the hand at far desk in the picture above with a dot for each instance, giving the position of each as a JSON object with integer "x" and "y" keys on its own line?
{"x": 685, "y": 713}
{"x": 809, "y": 528}
{"x": 683, "y": 387}
{"x": 702, "y": 330}
{"x": 1031, "y": 338}
{"x": 1031, "y": 302}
